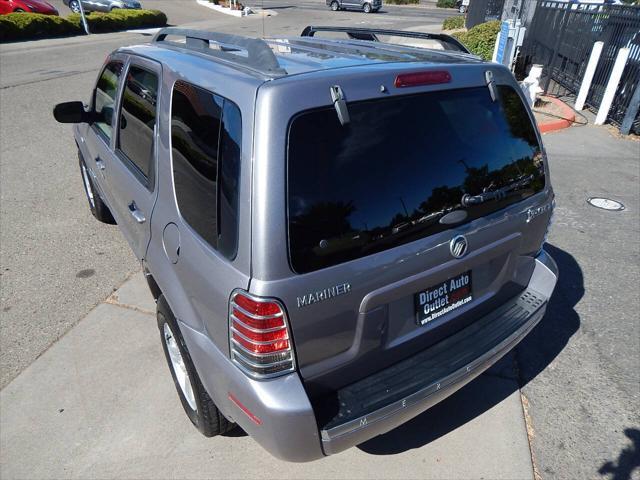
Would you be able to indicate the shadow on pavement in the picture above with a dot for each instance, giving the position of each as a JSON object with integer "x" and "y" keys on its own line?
{"x": 628, "y": 460}
{"x": 235, "y": 432}
{"x": 533, "y": 355}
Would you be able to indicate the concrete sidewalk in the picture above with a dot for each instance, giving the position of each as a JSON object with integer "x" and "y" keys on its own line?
{"x": 100, "y": 403}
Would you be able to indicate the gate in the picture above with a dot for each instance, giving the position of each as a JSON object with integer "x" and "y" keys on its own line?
{"x": 561, "y": 36}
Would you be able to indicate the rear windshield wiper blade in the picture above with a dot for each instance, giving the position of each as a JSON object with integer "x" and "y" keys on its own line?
{"x": 340, "y": 104}
{"x": 499, "y": 194}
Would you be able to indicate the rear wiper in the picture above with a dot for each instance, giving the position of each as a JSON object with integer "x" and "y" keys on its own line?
{"x": 340, "y": 104}
{"x": 499, "y": 194}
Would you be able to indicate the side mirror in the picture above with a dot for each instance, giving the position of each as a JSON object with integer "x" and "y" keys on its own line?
{"x": 71, "y": 112}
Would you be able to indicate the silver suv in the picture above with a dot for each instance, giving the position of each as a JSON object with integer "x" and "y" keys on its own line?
{"x": 339, "y": 233}
{"x": 367, "y": 6}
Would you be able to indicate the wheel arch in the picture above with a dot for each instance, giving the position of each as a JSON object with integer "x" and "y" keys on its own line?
{"x": 153, "y": 285}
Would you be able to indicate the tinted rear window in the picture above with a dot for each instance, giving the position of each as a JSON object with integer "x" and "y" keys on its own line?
{"x": 389, "y": 176}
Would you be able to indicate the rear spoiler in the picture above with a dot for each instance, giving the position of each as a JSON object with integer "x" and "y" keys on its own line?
{"x": 371, "y": 34}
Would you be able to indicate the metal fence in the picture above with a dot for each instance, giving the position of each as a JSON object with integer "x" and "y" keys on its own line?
{"x": 481, "y": 11}
{"x": 561, "y": 36}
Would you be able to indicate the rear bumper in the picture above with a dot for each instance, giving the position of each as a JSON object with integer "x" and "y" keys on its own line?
{"x": 284, "y": 422}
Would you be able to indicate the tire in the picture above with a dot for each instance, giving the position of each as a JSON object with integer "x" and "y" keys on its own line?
{"x": 18, "y": 10}
{"x": 195, "y": 400}
{"x": 366, "y": 8}
{"x": 335, "y": 6}
{"x": 98, "y": 208}
{"x": 462, "y": 9}
{"x": 74, "y": 5}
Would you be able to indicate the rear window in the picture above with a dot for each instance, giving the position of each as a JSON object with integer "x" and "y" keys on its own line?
{"x": 402, "y": 164}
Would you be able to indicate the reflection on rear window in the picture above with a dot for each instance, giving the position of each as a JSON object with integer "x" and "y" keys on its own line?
{"x": 389, "y": 176}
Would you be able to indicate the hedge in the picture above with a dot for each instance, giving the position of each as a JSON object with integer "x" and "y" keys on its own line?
{"x": 446, "y": 3}
{"x": 481, "y": 39}
{"x": 30, "y": 26}
{"x": 453, "y": 23}
{"x": 25, "y": 26}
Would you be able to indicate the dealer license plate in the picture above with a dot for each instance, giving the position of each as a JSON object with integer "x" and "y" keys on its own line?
{"x": 443, "y": 298}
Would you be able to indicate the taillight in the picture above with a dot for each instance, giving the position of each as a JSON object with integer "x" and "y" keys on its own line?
{"x": 415, "y": 79}
{"x": 259, "y": 336}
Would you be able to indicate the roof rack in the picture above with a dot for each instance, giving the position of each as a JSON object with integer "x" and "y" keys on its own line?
{"x": 371, "y": 34}
{"x": 257, "y": 56}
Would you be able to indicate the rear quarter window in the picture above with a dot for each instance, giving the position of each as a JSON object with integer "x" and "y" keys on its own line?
{"x": 205, "y": 140}
{"x": 400, "y": 165}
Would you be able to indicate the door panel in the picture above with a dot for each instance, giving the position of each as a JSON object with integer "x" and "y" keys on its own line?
{"x": 131, "y": 168}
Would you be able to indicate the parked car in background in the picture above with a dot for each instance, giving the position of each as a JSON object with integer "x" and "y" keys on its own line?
{"x": 462, "y": 6}
{"x": 101, "y": 5}
{"x": 33, "y": 6}
{"x": 367, "y": 6}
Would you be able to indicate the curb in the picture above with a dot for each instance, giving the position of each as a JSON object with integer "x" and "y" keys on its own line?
{"x": 559, "y": 123}
{"x": 217, "y": 8}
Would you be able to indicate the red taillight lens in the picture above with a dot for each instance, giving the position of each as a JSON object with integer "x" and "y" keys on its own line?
{"x": 260, "y": 348}
{"x": 262, "y": 323}
{"x": 262, "y": 308}
{"x": 415, "y": 79}
{"x": 259, "y": 336}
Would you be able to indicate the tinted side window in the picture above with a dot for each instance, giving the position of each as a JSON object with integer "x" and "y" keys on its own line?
{"x": 230, "y": 141}
{"x": 138, "y": 118}
{"x": 104, "y": 98}
{"x": 205, "y": 140}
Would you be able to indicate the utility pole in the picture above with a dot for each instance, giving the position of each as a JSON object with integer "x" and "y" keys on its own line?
{"x": 84, "y": 19}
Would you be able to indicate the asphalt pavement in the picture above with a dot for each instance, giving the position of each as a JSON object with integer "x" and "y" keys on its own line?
{"x": 579, "y": 369}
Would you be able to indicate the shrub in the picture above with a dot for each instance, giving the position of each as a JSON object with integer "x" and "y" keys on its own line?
{"x": 26, "y": 26}
{"x": 453, "y": 23}
{"x": 481, "y": 39}
{"x": 29, "y": 26}
{"x": 120, "y": 20}
{"x": 402, "y": 2}
{"x": 446, "y": 3}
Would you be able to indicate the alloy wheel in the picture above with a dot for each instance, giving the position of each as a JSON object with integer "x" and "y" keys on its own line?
{"x": 178, "y": 366}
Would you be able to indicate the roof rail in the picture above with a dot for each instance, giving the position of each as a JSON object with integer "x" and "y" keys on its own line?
{"x": 371, "y": 34}
{"x": 259, "y": 56}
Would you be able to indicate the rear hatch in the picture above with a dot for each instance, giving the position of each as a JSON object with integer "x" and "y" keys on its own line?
{"x": 402, "y": 226}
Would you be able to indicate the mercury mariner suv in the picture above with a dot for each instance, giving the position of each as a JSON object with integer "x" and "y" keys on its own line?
{"x": 339, "y": 232}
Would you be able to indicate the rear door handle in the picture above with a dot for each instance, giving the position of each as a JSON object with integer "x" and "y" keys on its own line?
{"x": 135, "y": 213}
{"x": 100, "y": 164}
